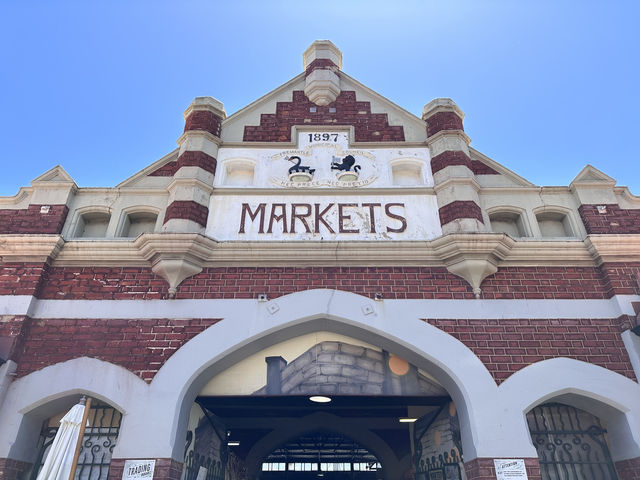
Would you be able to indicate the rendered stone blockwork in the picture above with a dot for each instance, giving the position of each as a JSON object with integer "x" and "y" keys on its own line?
{"x": 329, "y": 231}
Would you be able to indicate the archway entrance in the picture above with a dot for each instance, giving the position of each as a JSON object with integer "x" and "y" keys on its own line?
{"x": 384, "y": 417}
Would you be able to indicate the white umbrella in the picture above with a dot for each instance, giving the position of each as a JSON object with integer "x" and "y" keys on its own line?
{"x": 62, "y": 455}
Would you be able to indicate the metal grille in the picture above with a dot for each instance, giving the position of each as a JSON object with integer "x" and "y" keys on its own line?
{"x": 97, "y": 443}
{"x": 571, "y": 444}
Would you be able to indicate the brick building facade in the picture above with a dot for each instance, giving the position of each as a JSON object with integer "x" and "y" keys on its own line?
{"x": 367, "y": 254}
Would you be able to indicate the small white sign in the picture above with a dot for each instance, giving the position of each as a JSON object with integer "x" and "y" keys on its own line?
{"x": 202, "y": 473}
{"x": 510, "y": 469}
{"x": 136, "y": 469}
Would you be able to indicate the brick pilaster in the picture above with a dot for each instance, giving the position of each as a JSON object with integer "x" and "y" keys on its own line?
{"x": 628, "y": 469}
{"x": 483, "y": 469}
{"x": 194, "y": 170}
{"x": 454, "y": 180}
{"x": 165, "y": 469}
{"x": 11, "y": 469}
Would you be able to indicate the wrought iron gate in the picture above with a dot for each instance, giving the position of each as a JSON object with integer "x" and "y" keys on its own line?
{"x": 193, "y": 462}
{"x": 99, "y": 439}
{"x": 571, "y": 444}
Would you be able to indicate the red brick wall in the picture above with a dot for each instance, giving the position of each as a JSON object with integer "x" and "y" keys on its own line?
{"x": 11, "y": 469}
{"x": 165, "y": 469}
{"x": 141, "y": 346}
{"x": 30, "y": 220}
{"x": 443, "y": 121}
{"x": 616, "y": 220}
{"x": 187, "y": 210}
{"x": 14, "y": 331}
{"x": 21, "y": 278}
{"x": 115, "y": 283}
{"x": 368, "y": 127}
{"x": 203, "y": 120}
{"x": 459, "y": 209}
{"x": 479, "y": 168}
{"x": 628, "y": 469}
{"x": 508, "y": 345}
{"x": 187, "y": 159}
{"x": 621, "y": 278}
{"x": 483, "y": 469}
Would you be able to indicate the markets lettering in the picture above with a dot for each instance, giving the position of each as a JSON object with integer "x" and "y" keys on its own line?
{"x": 312, "y": 218}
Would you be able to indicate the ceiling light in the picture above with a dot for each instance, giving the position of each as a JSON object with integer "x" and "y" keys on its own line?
{"x": 233, "y": 443}
{"x": 320, "y": 399}
{"x": 407, "y": 420}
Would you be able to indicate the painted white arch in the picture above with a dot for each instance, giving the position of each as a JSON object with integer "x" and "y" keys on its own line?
{"x": 613, "y": 398}
{"x": 252, "y": 326}
{"x": 44, "y": 393}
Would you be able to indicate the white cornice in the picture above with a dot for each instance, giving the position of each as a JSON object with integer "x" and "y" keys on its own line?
{"x": 29, "y": 248}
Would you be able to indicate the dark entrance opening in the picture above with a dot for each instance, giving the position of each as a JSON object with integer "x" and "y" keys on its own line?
{"x": 328, "y": 441}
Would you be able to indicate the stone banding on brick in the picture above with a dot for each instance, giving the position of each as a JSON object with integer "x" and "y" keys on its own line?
{"x": 448, "y": 158}
{"x": 189, "y": 158}
{"x": 459, "y": 209}
{"x": 203, "y": 120}
{"x": 187, "y": 210}
{"x": 443, "y": 121}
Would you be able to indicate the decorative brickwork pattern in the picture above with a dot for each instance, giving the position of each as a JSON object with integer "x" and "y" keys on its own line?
{"x": 483, "y": 469}
{"x": 480, "y": 168}
{"x": 141, "y": 346}
{"x": 203, "y": 120}
{"x": 628, "y": 469}
{"x": 187, "y": 210}
{"x": 615, "y": 220}
{"x": 11, "y": 469}
{"x": 508, "y": 345}
{"x": 321, "y": 64}
{"x": 187, "y": 159}
{"x": 21, "y": 278}
{"x": 14, "y": 330}
{"x": 30, "y": 220}
{"x": 368, "y": 127}
{"x": 443, "y": 121}
{"x": 448, "y": 158}
{"x": 117, "y": 283}
{"x": 459, "y": 209}
{"x": 165, "y": 469}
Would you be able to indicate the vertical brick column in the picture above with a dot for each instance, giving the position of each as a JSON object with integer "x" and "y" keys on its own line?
{"x": 454, "y": 181}
{"x": 484, "y": 469}
{"x": 190, "y": 191}
{"x": 11, "y": 469}
{"x": 321, "y": 62}
{"x": 165, "y": 469}
{"x": 628, "y": 469}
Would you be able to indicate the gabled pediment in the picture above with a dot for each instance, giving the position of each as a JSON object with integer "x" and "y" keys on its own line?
{"x": 590, "y": 175}
{"x": 56, "y": 175}
{"x": 270, "y": 118}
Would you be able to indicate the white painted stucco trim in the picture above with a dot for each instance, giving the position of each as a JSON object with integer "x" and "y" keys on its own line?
{"x": 444, "y": 309}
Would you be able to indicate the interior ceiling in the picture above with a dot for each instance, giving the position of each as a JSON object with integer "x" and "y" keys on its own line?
{"x": 249, "y": 418}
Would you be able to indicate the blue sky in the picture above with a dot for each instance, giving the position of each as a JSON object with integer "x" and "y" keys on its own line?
{"x": 99, "y": 87}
